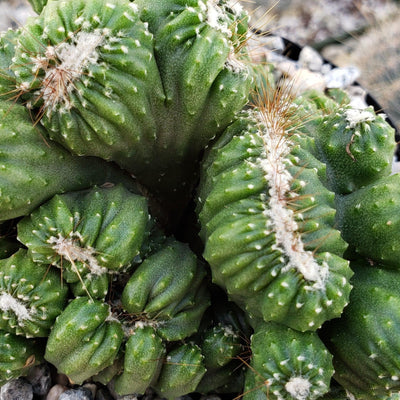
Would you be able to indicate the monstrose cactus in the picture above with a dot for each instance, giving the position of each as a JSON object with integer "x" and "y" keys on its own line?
{"x": 173, "y": 219}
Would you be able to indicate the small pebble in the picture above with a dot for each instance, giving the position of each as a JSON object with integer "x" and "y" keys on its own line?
{"x": 92, "y": 387}
{"x": 16, "y": 389}
{"x": 340, "y": 78}
{"x": 80, "y": 393}
{"x": 303, "y": 80}
{"x": 309, "y": 58}
{"x": 55, "y": 392}
{"x": 40, "y": 379}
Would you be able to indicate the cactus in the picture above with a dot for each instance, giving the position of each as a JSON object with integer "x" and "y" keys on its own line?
{"x": 7, "y": 77}
{"x": 89, "y": 234}
{"x": 168, "y": 290}
{"x": 181, "y": 372}
{"x": 144, "y": 355}
{"x": 18, "y": 355}
{"x": 33, "y": 170}
{"x": 84, "y": 340}
{"x": 104, "y": 82}
{"x": 31, "y": 296}
{"x": 365, "y": 340}
{"x": 356, "y": 145}
{"x": 267, "y": 222}
{"x": 107, "y": 109}
{"x": 287, "y": 365}
{"x": 369, "y": 220}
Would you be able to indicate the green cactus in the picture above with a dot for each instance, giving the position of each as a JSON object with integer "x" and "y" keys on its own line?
{"x": 103, "y": 84}
{"x": 31, "y": 296}
{"x": 369, "y": 220}
{"x": 7, "y": 77}
{"x": 181, "y": 372}
{"x": 38, "y": 5}
{"x": 168, "y": 291}
{"x": 18, "y": 355}
{"x": 144, "y": 355}
{"x": 357, "y": 147}
{"x": 267, "y": 222}
{"x": 365, "y": 341}
{"x": 88, "y": 234}
{"x": 33, "y": 170}
{"x": 85, "y": 339}
{"x": 287, "y": 365}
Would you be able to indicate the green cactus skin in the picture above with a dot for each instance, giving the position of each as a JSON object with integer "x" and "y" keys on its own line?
{"x": 365, "y": 341}
{"x": 84, "y": 340}
{"x": 18, "y": 355}
{"x": 31, "y": 296}
{"x": 37, "y": 5}
{"x": 269, "y": 238}
{"x": 143, "y": 358}
{"x": 33, "y": 170}
{"x": 287, "y": 365}
{"x": 370, "y": 222}
{"x": 219, "y": 346}
{"x": 88, "y": 234}
{"x": 182, "y": 371}
{"x": 101, "y": 87}
{"x": 357, "y": 147}
{"x": 7, "y": 247}
{"x": 168, "y": 291}
{"x": 228, "y": 379}
{"x": 7, "y": 77}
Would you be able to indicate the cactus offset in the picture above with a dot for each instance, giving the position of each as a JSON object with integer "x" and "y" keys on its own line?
{"x": 84, "y": 340}
{"x": 88, "y": 234}
{"x": 31, "y": 296}
{"x": 267, "y": 221}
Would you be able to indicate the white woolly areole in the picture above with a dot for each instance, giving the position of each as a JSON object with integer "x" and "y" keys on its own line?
{"x": 216, "y": 16}
{"x": 72, "y": 59}
{"x": 298, "y": 387}
{"x": 71, "y": 251}
{"x": 356, "y": 116}
{"x": 280, "y": 218}
{"x": 9, "y": 303}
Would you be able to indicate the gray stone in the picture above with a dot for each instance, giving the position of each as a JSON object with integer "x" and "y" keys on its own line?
{"x": 309, "y": 58}
{"x": 40, "y": 379}
{"x": 16, "y": 389}
{"x": 80, "y": 393}
{"x": 55, "y": 392}
{"x": 340, "y": 78}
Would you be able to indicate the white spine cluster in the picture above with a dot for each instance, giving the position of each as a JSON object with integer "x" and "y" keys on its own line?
{"x": 71, "y": 250}
{"x": 356, "y": 116}
{"x": 9, "y": 303}
{"x": 298, "y": 387}
{"x": 281, "y": 218}
{"x": 64, "y": 64}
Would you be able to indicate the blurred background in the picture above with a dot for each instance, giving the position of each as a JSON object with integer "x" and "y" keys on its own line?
{"x": 360, "y": 33}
